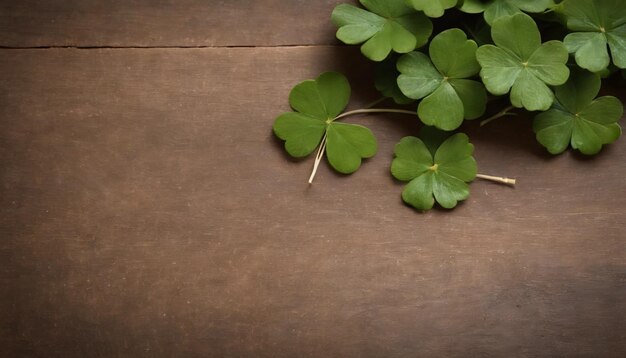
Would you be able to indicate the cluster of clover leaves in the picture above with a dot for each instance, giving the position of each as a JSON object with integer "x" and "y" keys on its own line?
{"x": 454, "y": 78}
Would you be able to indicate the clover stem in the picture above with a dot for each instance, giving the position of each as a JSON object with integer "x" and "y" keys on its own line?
{"x": 500, "y": 180}
{"x": 318, "y": 158}
{"x": 504, "y": 112}
{"x": 377, "y": 102}
{"x": 375, "y": 110}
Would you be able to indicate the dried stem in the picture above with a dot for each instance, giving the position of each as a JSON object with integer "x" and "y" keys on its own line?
{"x": 376, "y": 110}
{"x": 500, "y": 180}
{"x": 318, "y": 158}
{"x": 504, "y": 112}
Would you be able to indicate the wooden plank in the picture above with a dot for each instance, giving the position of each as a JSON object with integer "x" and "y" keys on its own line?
{"x": 147, "y": 210}
{"x": 150, "y": 23}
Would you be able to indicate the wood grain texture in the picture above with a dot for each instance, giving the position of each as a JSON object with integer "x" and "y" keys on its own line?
{"x": 158, "y": 23}
{"x": 147, "y": 210}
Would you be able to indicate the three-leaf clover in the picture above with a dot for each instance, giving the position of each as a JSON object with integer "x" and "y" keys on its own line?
{"x": 579, "y": 118}
{"x": 496, "y": 9}
{"x": 596, "y": 23}
{"x": 521, "y": 64}
{"x": 433, "y": 173}
{"x": 432, "y": 8}
{"x": 449, "y": 96}
{"x": 317, "y": 103}
{"x": 388, "y": 25}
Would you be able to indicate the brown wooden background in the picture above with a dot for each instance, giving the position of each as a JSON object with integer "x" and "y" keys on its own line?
{"x": 147, "y": 210}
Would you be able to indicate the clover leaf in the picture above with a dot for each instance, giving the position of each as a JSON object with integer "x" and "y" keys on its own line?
{"x": 474, "y": 6}
{"x": 448, "y": 96}
{"x": 579, "y": 118}
{"x": 521, "y": 64}
{"x": 596, "y": 24}
{"x": 496, "y": 9}
{"x": 386, "y": 81}
{"x": 317, "y": 104}
{"x": 432, "y": 8}
{"x": 388, "y": 25}
{"x": 441, "y": 176}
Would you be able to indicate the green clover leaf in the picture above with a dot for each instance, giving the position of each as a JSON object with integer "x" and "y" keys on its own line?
{"x": 521, "y": 64}
{"x": 474, "y": 6}
{"x": 432, "y": 8}
{"x": 317, "y": 103}
{"x": 579, "y": 118}
{"x": 596, "y": 23}
{"x": 448, "y": 97}
{"x": 496, "y": 9}
{"x": 386, "y": 81}
{"x": 388, "y": 25}
{"x": 441, "y": 176}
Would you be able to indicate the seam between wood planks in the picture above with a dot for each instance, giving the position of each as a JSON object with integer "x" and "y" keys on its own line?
{"x": 158, "y": 47}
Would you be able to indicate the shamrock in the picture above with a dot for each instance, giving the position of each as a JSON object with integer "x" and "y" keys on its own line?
{"x": 435, "y": 171}
{"x": 388, "y": 25}
{"x": 496, "y": 9}
{"x": 448, "y": 96}
{"x": 317, "y": 104}
{"x": 432, "y": 8}
{"x": 596, "y": 23}
{"x": 579, "y": 118}
{"x": 521, "y": 64}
